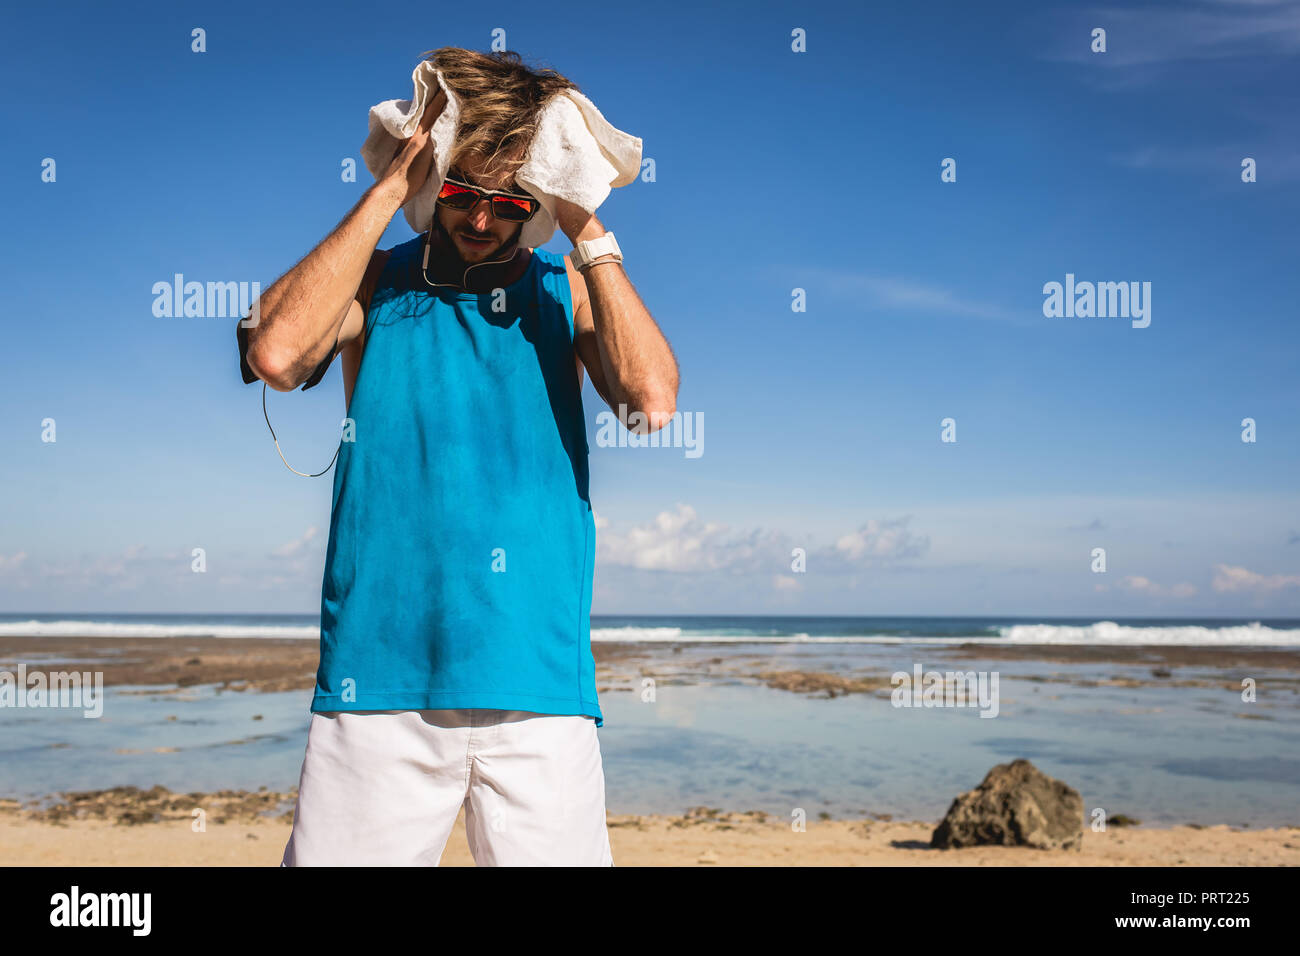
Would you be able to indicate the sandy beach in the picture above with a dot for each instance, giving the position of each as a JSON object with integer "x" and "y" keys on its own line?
{"x": 111, "y": 835}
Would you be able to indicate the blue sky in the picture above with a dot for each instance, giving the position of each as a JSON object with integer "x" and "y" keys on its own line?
{"x": 775, "y": 170}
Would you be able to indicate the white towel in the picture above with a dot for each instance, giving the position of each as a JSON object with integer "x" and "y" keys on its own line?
{"x": 576, "y": 154}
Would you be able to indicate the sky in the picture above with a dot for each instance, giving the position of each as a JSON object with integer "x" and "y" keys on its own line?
{"x": 830, "y": 298}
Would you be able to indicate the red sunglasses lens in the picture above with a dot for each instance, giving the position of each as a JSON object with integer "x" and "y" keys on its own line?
{"x": 458, "y": 197}
{"x": 510, "y": 209}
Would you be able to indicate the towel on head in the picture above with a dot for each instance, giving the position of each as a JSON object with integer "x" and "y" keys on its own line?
{"x": 576, "y": 155}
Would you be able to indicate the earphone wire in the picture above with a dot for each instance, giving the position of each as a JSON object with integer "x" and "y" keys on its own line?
{"x": 281, "y": 454}
{"x": 428, "y": 244}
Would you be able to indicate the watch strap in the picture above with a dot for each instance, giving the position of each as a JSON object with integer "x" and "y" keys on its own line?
{"x": 589, "y": 250}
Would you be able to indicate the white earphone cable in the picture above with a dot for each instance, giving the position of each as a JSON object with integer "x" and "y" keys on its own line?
{"x": 281, "y": 454}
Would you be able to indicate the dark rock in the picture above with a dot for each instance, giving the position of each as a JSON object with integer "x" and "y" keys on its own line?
{"x": 1016, "y": 805}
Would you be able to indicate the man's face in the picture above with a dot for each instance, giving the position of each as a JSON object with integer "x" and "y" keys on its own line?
{"x": 468, "y": 227}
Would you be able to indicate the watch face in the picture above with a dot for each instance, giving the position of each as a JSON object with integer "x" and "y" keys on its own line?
{"x": 590, "y": 250}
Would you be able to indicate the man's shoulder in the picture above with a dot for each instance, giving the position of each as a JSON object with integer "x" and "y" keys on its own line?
{"x": 578, "y": 294}
{"x": 559, "y": 264}
{"x": 402, "y": 249}
{"x": 383, "y": 268}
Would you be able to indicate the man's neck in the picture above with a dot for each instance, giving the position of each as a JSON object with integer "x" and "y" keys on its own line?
{"x": 500, "y": 269}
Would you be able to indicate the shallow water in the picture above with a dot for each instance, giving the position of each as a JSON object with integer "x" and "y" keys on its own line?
{"x": 1162, "y": 754}
{"x": 218, "y": 745}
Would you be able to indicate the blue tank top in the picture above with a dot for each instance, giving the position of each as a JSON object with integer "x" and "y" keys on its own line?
{"x": 459, "y": 565}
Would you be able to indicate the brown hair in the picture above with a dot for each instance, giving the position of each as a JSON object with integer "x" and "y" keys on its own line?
{"x": 500, "y": 98}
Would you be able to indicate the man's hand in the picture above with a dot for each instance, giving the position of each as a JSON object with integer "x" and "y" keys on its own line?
{"x": 411, "y": 166}
{"x": 575, "y": 222}
{"x": 312, "y": 311}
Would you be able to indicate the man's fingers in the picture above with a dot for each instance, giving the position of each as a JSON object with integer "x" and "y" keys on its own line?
{"x": 432, "y": 110}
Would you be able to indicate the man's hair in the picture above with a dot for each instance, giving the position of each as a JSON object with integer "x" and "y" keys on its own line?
{"x": 500, "y": 98}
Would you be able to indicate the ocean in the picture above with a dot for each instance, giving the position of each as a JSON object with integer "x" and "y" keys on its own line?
{"x": 726, "y": 630}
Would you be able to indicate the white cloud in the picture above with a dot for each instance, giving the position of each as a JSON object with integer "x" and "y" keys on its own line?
{"x": 910, "y": 295}
{"x": 681, "y": 541}
{"x": 1228, "y": 578}
{"x": 1283, "y": 165}
{"x": 1095, "y": 524}
{"x": 880, "y": 540}
{"x": 291, "y": 548}
{"x": 1141, "y": 585}
{"x": 1188, "y": 32}
{"x": 106, "y": 572}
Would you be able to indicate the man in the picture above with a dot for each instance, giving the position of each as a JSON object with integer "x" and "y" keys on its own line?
{"x": 456, "y": 666}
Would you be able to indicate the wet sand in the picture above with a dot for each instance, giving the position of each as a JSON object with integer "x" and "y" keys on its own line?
{"x": 266, "y": 664}
{"x": 1226, "y": 658}
{"x": 232, "y": 663}
{"x": 279, "y": 664}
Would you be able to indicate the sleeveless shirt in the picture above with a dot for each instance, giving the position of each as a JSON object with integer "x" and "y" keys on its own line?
{"x": 459, "y": 566}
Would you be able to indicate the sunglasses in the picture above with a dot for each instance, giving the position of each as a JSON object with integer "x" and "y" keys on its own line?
{"x": 510, "y": 207}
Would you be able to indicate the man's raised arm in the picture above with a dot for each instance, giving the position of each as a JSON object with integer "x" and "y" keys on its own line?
{"x": 311, "y": 311}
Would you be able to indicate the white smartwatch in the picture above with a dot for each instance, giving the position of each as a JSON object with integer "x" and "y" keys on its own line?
{"x": 589, "y": 250}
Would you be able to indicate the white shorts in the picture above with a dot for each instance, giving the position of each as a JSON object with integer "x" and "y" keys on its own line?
{"x": 383, "y": 788}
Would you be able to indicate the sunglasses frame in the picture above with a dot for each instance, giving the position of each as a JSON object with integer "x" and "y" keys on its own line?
{"x": 481, "y": 194}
